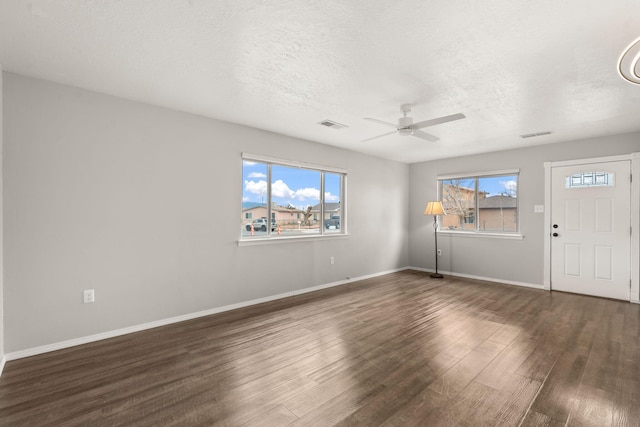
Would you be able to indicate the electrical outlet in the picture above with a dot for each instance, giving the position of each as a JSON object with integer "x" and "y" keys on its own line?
{"x": 439, "y": 252}
{"x": 538, "y": 208}
{"x": 332, "y": 260}
{"x": 89, "y": 296}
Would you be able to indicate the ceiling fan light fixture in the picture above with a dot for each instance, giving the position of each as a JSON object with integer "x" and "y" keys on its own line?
{"x": 629, "y": 63}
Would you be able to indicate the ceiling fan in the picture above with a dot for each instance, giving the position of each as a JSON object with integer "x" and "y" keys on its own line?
{"x": 406, "y": 126}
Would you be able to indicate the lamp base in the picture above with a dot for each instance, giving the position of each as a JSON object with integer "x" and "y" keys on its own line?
{"x": 436, "y": 275}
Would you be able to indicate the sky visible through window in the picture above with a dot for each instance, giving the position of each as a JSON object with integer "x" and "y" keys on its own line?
{"x": 499, "y": 185}
{"x": 290, "y": 186}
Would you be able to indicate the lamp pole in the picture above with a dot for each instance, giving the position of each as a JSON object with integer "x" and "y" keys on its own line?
{"x": 436, "y": 275}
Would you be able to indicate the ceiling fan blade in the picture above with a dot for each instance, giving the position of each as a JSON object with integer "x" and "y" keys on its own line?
{"x": 379, "y": 136}
{"x": 425, "y": 136}
{"x": 393, "y": 125}
{"x": 438, "y": 121}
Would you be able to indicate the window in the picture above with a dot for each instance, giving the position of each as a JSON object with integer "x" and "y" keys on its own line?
{"x": 301, "y": 199}
{"x": 590, "y": 179}
{"x": 480, "y": 203}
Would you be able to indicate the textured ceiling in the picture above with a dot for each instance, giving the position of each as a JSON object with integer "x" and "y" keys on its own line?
{"x": 512, "y": 67}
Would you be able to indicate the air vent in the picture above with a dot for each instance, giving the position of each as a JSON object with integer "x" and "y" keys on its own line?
{"x": 331, "y": 124}
{"x": 533, "y": 135}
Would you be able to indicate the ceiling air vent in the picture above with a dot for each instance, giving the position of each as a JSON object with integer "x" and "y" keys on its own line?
{"x": 331, "y": 124}
{"x": 533, "y": 135}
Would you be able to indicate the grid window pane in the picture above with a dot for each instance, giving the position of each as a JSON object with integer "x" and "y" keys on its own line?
{"x": 254, "y": 199}
{"x": 458, "y": 201}
{"x": 498, "y": 203}
{"x": 332, "y": 206}
{"x": 295, "y": 190}
{"x": 483, "y": 203}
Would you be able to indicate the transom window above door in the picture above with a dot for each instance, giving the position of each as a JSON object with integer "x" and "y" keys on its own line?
{"x": 590, "y": 179}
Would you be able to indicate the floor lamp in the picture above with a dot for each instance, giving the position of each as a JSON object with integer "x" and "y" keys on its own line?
{"x": 435, "y": 209}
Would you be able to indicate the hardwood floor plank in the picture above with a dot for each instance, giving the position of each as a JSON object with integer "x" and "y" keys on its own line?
{"x": 560, "y": 387}
{"x": 626, "y": 411}
{"x": 460, "y": 375}
{"x": 591, "y": 407}
{"x": 415, "y": 411}
{"x": 602, "y": 366}
{"x": 461, "y": 407}
{"x": 399, "y": 389}
{"x": 506, "y": 334}
{"x": 500, "y": 371}
{"x": 339, "y": 407}
{"x": 536, "y": 419}
{"x": 511, "y": 403}
{"x": 278, "y": 416}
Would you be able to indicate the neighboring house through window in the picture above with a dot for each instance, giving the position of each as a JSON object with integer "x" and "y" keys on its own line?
{"x": 480, "y": 202}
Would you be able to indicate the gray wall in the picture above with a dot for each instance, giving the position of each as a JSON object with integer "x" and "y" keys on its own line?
{"x": 504, "y": 260}
{"x": 142, "y": 204}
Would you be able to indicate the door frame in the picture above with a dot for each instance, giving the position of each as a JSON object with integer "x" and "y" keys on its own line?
{"x": 634, "y": 159}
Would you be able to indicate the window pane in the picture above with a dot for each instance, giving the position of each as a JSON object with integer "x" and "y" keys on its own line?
{"x": 332, "y": 203}
{"x": 590, "y": 179}
{"x": 458, "y": 201}
{"x": 498, "y": 203}
{"x": 295, "y": 191}
{"x": 254, "y": 199}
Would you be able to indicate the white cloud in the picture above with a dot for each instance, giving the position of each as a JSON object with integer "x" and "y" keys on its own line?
{"x": 307, "y": 193}
{"x": 511, "y": 187}
{"x": 257, "y": 175}
{"x": 256, "y": 187}
{"x": 281, "y": 189}
{"x": 328, "y": 197}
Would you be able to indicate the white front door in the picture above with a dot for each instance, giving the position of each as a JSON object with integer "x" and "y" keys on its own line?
{"x": 591, "y": 227}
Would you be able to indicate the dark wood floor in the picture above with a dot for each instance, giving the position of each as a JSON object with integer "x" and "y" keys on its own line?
{"x": 397, "y": 350}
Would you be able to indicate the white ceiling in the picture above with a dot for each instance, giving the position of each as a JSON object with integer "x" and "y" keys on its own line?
{"x": 512, "y": 67}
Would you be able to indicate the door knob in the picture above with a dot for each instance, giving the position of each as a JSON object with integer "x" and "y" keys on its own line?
{"x": 555, "y": 234}
{"x": 555, "y": 225}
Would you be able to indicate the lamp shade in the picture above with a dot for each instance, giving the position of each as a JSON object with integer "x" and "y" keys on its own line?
{"x": 434, "y": 208}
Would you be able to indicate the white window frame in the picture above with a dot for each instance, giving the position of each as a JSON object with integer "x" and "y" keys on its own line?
{"x": 480, "y": 233}
{"x": 272, "y": 237}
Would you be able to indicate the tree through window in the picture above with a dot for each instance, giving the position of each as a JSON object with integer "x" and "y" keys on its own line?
{"x": 480, "y": 203}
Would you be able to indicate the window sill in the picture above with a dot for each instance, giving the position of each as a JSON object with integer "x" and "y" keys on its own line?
{"x": 486, "y": 235}
{"x": 293, "y": 239}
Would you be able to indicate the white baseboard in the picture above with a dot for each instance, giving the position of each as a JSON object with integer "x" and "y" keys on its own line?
{"x": 487, "y": 279}
{"x": 163, "y": 322}
{"x": 3, "y": 361}
{"x": 347, "y": 280}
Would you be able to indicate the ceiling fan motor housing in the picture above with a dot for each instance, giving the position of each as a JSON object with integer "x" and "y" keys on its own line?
{"x": 404, "y": 125}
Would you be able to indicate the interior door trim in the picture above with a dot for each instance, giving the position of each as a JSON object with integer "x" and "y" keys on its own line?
{"x": 634, "y": 158}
